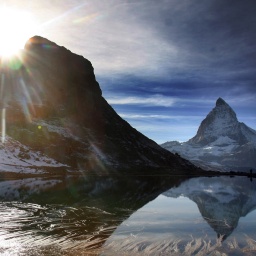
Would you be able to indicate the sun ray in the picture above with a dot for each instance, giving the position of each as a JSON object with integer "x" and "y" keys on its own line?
{"x": 3, "y": 125}
{"x": 63, "y": 15}
{"x": 2, "y": 86}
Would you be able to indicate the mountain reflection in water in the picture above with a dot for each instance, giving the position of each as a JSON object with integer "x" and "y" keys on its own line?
{"x": 201, "y": 216}
{"x": 70, "y": 213}
{"x": 220, "y": 200}
{"x": 67, "y": 215}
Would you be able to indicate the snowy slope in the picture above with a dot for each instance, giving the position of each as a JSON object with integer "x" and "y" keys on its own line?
{"x": 16, "y": 157}
{"x": 221, "y": 142}
{"x": 249, "y": 133}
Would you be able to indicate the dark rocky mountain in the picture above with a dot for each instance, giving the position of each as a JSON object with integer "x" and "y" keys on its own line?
{"x": 221, "y": 142}
{"x": 52, "y": 105}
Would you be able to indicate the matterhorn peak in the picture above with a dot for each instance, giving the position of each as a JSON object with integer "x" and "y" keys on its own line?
{"x": 221, "y": 102}
{"x": 226, "y": 111}
{"x": 221, "y": 121}
{"x": 221, "y": 141}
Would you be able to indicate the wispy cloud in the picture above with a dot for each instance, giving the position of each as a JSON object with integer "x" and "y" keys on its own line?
{"x": 164, "y": 39}
{"x": 164, "y": 117}
{"x": 159, "y": 100}
{"x": 154, "y": 100}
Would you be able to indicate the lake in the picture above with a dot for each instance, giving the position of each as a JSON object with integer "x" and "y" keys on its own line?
{"x": 131, "y": 215}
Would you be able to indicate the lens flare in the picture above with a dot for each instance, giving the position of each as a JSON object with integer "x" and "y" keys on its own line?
{"x": 89, "y": 18}
{"x": 3, "y": 125}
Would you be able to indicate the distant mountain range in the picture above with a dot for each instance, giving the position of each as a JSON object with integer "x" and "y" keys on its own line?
{"x": 54, "y": 115}
{"x": 221, "y": 142}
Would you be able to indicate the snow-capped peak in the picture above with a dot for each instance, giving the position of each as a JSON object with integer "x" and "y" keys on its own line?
{"x": 221, "y": 142}
{"x": 221, "y": 121}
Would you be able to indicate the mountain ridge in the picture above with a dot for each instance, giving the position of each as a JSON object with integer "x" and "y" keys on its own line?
{"x": 53, "y": 104}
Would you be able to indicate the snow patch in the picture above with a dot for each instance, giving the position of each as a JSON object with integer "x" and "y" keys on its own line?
{"x": 17, "y": 157}
{"x": 12, "y": 189}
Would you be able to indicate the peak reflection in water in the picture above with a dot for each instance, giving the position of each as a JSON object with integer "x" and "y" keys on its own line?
{"x": 195, "y": 218}
{"x": 220, "y": 200}
{"x": 70, "y": 213}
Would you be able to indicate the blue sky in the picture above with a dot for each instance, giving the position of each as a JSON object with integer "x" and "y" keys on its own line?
{"x": 160, "y": 64}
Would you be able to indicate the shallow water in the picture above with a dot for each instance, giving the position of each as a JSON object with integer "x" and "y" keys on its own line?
{"x": 128, "y": 216}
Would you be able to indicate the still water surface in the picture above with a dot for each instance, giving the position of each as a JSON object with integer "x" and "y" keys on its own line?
{"x": 133, "y": 216}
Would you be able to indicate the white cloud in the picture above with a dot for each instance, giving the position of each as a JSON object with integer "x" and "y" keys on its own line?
{"x": 154, "y": 100}
{"x": 159, "y": 100}
{"x": 114, "y": 36}
{"x": 165, "y": 117}
{"x": 141, "y": 116}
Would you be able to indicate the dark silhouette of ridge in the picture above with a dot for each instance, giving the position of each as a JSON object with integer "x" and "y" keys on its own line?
{"x": 56, "y": 90}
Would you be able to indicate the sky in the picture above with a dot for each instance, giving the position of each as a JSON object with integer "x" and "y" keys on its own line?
{"x": 161, "y": 64}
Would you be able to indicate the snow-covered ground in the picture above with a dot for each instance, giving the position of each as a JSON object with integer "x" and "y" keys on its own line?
{"x": 13, "y": 189}
{"x": 16, "y": 157}
{"x": 222, "y": 145}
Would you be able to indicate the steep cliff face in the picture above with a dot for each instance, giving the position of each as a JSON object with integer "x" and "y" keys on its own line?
{"x": 221, "y": 142}
{"x": 53, "y": 104}
{"x": 221, "y": 121}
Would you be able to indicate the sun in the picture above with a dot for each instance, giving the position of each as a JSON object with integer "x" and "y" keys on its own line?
{"x": 16, "y": 27}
